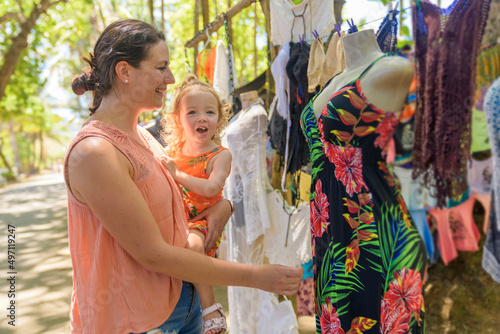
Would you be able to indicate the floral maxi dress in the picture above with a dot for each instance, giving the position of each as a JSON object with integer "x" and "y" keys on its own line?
{"x": 369, "y": 261}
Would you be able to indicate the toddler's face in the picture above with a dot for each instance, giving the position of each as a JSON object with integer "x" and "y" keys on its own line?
{"x": 199, "y": 115}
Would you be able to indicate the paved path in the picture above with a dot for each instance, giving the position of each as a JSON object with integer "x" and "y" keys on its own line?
{"x": 37, "y": 210}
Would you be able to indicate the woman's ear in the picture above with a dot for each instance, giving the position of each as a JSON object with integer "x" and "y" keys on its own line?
{"x": 122, "y": 71}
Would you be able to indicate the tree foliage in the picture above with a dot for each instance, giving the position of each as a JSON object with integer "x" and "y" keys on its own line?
{"x": 63, "y": 32}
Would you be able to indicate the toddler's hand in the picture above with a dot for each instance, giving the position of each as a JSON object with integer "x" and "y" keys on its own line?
{"x": 170, "y": 165}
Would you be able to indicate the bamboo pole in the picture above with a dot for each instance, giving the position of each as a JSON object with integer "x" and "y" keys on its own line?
{"x": 217, "y": 23}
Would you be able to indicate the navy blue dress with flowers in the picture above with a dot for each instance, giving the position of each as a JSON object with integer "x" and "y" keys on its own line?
{"x": 369, "y": 261}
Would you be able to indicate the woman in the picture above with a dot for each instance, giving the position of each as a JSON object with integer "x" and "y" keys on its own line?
{"x": 127, "y": 228}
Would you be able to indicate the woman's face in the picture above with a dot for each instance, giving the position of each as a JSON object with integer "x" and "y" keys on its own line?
{"x": 148, "y": 83}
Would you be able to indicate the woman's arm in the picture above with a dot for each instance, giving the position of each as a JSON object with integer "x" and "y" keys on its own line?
{"x": 100, "y": 176}
{"x": 204, "y": 187}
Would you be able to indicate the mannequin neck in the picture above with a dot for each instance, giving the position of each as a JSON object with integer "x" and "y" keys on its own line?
{"x": 360, "y": 49}
{"x": 249, "y": 98}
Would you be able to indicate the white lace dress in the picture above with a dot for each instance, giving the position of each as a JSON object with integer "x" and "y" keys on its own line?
{"x": 251, "y": 311}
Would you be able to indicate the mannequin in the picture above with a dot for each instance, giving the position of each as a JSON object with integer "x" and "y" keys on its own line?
{"x": 366, "y": 247}
{"x": 385, "y": 85}
{"x": 248, "y": 98}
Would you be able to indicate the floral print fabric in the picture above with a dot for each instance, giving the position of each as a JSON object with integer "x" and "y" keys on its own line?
{"x": 194, "y": 203}
{"x": 369, "y": 260}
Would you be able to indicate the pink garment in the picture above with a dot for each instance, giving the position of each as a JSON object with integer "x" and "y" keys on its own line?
{"x": 456, "y": 230}
{"x": 112, "y": 292}
{"x": 485, "y": 200}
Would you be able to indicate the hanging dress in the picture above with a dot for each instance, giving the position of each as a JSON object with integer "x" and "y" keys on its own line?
{"x": 491, "y": 251}
{"x": 369, "y": 260}
{"x": 251, "y": 311}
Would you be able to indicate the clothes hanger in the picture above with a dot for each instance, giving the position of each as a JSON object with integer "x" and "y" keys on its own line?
{"x": 207, "y": 42}
{"x": 190, "y": 70}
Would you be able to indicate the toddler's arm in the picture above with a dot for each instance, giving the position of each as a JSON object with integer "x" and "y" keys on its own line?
{"x": 204, "y": 187}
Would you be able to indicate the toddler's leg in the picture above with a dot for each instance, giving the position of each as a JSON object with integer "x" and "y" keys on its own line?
{"x": 196, "y": 242}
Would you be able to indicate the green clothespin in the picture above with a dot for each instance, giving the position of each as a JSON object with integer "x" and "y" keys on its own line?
{"x": 418, "y": 3}
{"x": 291, "y": 188}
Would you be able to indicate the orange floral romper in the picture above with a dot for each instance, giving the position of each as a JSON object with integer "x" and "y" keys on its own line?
{"x": 194, "y": 203}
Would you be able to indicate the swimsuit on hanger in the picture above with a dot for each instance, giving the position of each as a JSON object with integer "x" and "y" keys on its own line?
{"x": 358, "y": 220}
{"x": 387, "y": 33}
{"x": 322, "y": 67}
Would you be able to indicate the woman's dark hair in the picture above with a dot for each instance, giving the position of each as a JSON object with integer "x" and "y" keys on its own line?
{"x": 125, "y": 40}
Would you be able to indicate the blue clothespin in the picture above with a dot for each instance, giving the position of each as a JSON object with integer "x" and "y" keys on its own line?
{"x": 301, "y": 39}
{"x": 315, "y": 33}
{"x": 352, "y": 26}
{"x": 337, "y": 27}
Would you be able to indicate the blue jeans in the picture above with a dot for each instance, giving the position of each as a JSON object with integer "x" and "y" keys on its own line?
{"x": 186, "y": 317}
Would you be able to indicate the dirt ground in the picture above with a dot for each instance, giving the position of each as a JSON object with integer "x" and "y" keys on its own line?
{"x": 462, "y": 298}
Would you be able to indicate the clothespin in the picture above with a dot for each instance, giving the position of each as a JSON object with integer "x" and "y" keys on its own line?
{"x": 352, "y": 26}
{"x": 337, "y": 27}
{"x": 315, "y": 33}
{"x": 300, "y": 39}
{"x": 393, "y": 10}
{"x": 418, "y": 3}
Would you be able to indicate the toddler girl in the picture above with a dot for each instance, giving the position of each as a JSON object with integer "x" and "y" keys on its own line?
{"x": 200, "y": 166}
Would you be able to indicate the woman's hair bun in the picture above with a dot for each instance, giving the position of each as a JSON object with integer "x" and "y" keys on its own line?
{"x": 190, "y": 78}
{"x": 83, "y": 83}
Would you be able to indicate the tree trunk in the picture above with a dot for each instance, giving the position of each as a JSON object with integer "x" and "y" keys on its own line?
{"x": 266, "y": 9}
{"x": 229, "y": 24}
{"x": 337, "y": 7}
{"x": 4, "y": 160}
{"x": 20, "y": 42}
{"x": 197, "y": 5}
{"x": 41, "y": 153}
{"x": 163, "y": 16}
{"x": 151, "y": 6}
{"x": 13, "y": 142}
{"x": 255, "y": 43}
{"x": 205, "y": 10}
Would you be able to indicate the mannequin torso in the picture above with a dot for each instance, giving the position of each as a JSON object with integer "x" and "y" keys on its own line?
{"x": 385, "y": 85}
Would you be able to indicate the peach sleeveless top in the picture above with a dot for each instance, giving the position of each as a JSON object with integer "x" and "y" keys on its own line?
{"x": 112, "y": 293}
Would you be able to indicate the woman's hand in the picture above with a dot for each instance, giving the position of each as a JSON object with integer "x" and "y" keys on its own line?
{"x": 278, "y": 279}
{"x": 217, "y": 217}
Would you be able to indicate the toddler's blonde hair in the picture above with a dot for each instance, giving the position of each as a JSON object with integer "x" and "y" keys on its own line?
{"x": 174, "y": 132}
